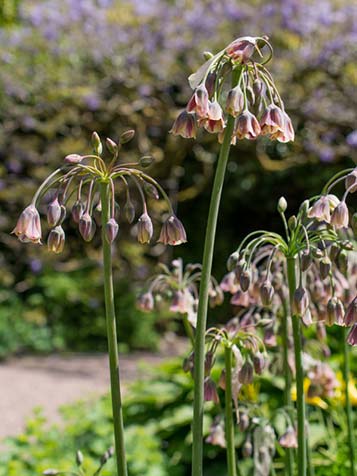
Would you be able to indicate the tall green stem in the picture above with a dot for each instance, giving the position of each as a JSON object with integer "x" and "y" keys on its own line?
{"x": 229, "y": 424}
{"x": 346, "y": 376}
{"x": 112, "y": 337}
{"x": 289, "y": 455}
{"x": 199, "y": 348}
{"x": 300, "y": 397}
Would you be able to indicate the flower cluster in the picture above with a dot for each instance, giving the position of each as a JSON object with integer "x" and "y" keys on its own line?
{"x": 179, "y": 286}
{"x": 252, "y": 98}
{"x": 86, "y": 172}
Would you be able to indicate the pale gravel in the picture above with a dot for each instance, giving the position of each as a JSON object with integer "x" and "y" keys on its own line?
{"x": 52, "y": 381}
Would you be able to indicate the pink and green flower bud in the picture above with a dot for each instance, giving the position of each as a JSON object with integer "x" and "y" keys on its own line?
{"x": 351, "y": 181}
{"x": 86, "y": 227}
{"x": 272, "y": 120}
{"x": 259, "y": 87}
{"x": 266, "y": 292}
{"x": 245, "y": 375}
{"x": 146, "y": 302}
{"x": 77, "y": 211}
{"x": 331, "y": 315}
{"x": 243, "y": 422}
{"x": 241, "y": 49}
{"x": 209, "y": 362}
{"x": 325, "y": 267}
{"x": 259, "y": 363}
{"x": 146, "y": 161}
{"x": 210, "y": 391}
{"x": 172, "y": 232}
{"x": 342, "y": 261}
{"x": 56, "y": 240}
{"x": 306, "y": 260}
{"x": 54, "y": 212}
{"x": 211, "y": 83}
{"x": 28, "y": 227}
{"x": 126, "y": 136}
{"x": 232, "y": 261}
{"x": 214, "y": 123}
{"x": 111, "y": 146}
{"x": 129, "y": 211}
{"x": 300, "y": 301}
{"x": 199, "y": 102}
{"x": 289, "y": 438}
{"x": 111, "y": 230}
{"x": 340, "y": 216}
{"x": 244, "y": 280}
{"x": 185, "y": 125}
{"x": 247, "y": 126}
{"x": 350, "y": 317}
{"x": 352, "y": 336}
{"x": 96, "y": 143}
{"x": 292, "y": 223}
{"x": 73, "y": 159}
{"x": 145, "y": 229}
{"x": 235, "y": 101}
{"x": 151, "y": 190}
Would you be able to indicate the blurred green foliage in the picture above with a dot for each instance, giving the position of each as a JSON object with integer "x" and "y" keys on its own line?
{"x": 157, "y": 412}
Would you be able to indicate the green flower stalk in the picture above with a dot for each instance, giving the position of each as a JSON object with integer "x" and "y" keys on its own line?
{"x": 232, "y": 115}
{"x": 105, "y": 181}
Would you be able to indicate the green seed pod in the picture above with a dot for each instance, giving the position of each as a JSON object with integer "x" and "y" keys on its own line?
{"x": 342, "y": 261}
{"x": 325, "y": 267}
{"x": 207, "y": 55}
{"x": 146, "y": 161}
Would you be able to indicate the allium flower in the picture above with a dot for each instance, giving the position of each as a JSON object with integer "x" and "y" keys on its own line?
{"x": 111, "y": 230}
{"x": 300, "y": 302}
{"x": 185, "y": 125}
{"x": 321, "y": 210}
{"x": 54, "y": 212}
{"x": 247, "y": 126}
{"x": 210, "y": 391}
{"x": 145, "y": 229}
{"x": 199, "y": 102}
{"x": 28, "y": 227}
{"x": 214, "y": 121}
{"x": 56, "y": 240}
{"x": 242, "y": 49}
{"x": 340, "y": 216}
{"x": 272, "y": 120}
{"x": 146, "y": 302}
{"x": 350, "y": 317}
{"x": 351, "y": 181}
{"x": 87, "y": 227}
{"x": 172, "y": 232}
{"x": 286, "y": 133}
{"x": 216, "y": 434}
{"x": 289, "y": 439}
{"x": 235, "y": 101}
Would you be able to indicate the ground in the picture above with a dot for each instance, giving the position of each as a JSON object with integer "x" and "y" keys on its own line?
{"x": 51, "y": 381}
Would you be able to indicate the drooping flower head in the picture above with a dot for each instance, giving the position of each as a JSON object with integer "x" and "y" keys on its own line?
{"x": 80, "y": 176}
{"x": 235, "y": 83}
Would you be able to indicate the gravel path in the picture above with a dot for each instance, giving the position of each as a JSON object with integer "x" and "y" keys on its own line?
{"x": 52, "y": 381}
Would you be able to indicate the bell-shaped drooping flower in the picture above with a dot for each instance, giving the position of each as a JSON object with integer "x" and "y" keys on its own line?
{"x": 321, "y": 210}
{"x": 145, "y": 229}
{"x": 229, "y": 283}
{"x": 245, "y": 375}
{"x": 300, "y": 301}
{"x": 289, "y": 438}
{"x": 185, "y": 125}
{"x": 266, "y": 293}
{"x": 241, "y": 49}
{"x": 272, "y": 120}
{"x": 325, "y": 267}
{"x": 111, "y": 230}
{"x": 56, "y": 240}
{"x": 199, "y": 102}
{"x": 247, "y": 126}
{"x": 235, "y": 101}
{"x": 352, "y": 336}
{"x": 54, "y": 212}
{"x": 216, "y": 434}
{"x": 87, "y": 226}
{"x": 259, "y": 363}
{"x": 335, "y": 312}
{"x": 146, "y": 301}
{"x": 77, "y": 210}
{"x": 286, "y": 133}
{"x": 214, "y": 122}
{"x": 28, "y": 227}
{"x": 210, "y": 391}
{"x": 350, "y": 317}
{"x": 340, "y": 216}
{"x": 172, "y": 232}
{"x": 244, "y": 280}
{"x": 351, "y": 181}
